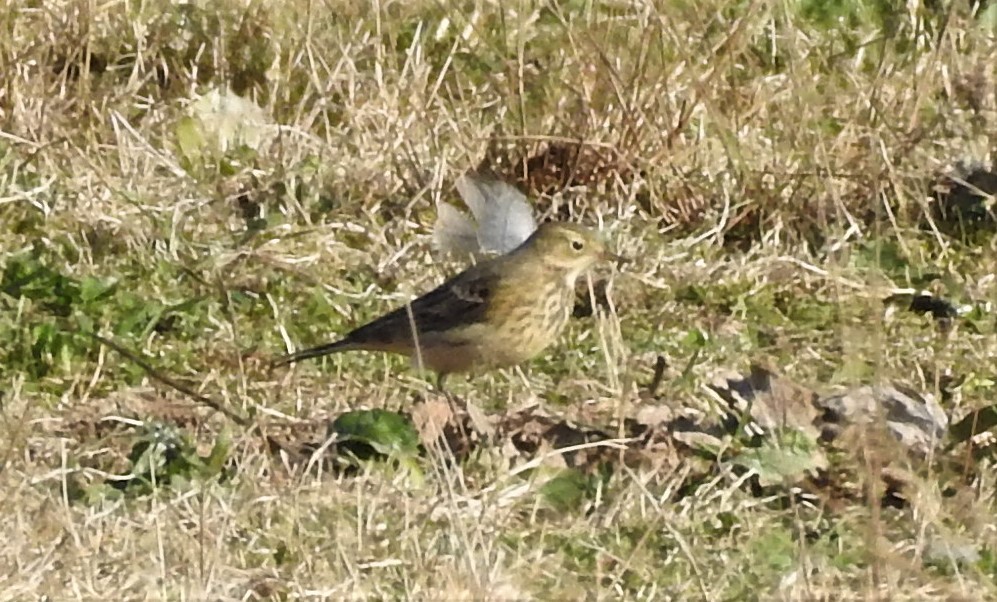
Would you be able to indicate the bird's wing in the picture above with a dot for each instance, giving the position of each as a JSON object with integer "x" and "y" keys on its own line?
{"x": 503, "y": 214}
{"x": 460, "y": 301}
{"x": 507, "y": 221}
{"x": 454, "y": 231}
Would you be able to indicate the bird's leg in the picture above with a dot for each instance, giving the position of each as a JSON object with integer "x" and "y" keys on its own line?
{"x": 458, "y": 407}
{"x": 454, "y": 401}
{"x": 451, "y": 399}
{"x": 465, "y": 413}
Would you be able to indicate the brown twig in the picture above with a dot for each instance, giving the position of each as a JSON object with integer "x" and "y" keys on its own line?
{"x": 169, "y": 381}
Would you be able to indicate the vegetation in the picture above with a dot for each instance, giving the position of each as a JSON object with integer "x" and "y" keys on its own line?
{"x": 787, "y": 179}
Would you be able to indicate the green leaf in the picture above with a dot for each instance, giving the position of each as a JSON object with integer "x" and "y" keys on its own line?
{"x": 566, "y": 491}
{"x": 364, "y": 434}
{"x": 166, "y": 456}
{"x": 988, "y": 17}
{"x": 215, "y": 462}
{"x": 694, "y": 339}
{"x": 884, "y": 255}
{"x": 980, "y": 317}
{"x": 190, "y": 139}
{"x": 787, "y": 456}
{"x": 389, "y": 433}
{"x": 152, "y": 453}
{"x": 95, "y": 289}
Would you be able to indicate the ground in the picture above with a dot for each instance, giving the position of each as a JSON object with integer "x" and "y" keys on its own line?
{"x": 784, "y": 179}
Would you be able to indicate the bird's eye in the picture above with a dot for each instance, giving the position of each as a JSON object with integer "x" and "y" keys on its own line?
{"x": 577, "y": 245}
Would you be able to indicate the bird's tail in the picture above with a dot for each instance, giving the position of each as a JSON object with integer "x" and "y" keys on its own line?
{"x": 344, "y": 345}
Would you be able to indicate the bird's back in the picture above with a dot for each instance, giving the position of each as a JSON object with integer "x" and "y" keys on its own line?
{"x": 458, "y": 303}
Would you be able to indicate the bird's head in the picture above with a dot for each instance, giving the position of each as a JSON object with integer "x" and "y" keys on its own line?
{"x": 568, "y": 247}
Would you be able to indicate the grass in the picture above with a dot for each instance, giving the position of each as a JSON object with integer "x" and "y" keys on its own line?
{"x": 768, "y": 167}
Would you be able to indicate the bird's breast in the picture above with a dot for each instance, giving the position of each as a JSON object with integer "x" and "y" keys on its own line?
{"x": 530, "y": 321}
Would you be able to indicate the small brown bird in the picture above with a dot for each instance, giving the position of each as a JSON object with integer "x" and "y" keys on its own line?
{"x": 498, "y": 313}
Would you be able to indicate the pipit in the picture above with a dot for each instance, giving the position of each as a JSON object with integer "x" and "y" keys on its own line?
{"x": 498, "y": 313}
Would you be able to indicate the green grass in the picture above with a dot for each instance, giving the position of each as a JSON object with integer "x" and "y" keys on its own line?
{"x": 774, "y": 186}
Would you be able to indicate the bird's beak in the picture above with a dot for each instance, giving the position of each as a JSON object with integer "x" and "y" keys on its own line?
{"x": 610, "y": 257}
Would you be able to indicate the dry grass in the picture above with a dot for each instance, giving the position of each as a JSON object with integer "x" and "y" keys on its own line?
{"x": 775, "y": 163}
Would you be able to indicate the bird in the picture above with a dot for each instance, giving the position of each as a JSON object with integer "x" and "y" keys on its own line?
{"x": 495, "y": 314}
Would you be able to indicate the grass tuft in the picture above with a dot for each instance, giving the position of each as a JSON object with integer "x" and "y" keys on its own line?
{"x": 804, "y": 184}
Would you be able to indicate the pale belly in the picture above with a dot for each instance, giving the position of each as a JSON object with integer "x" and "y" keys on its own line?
{"x": 483, "y": 347}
